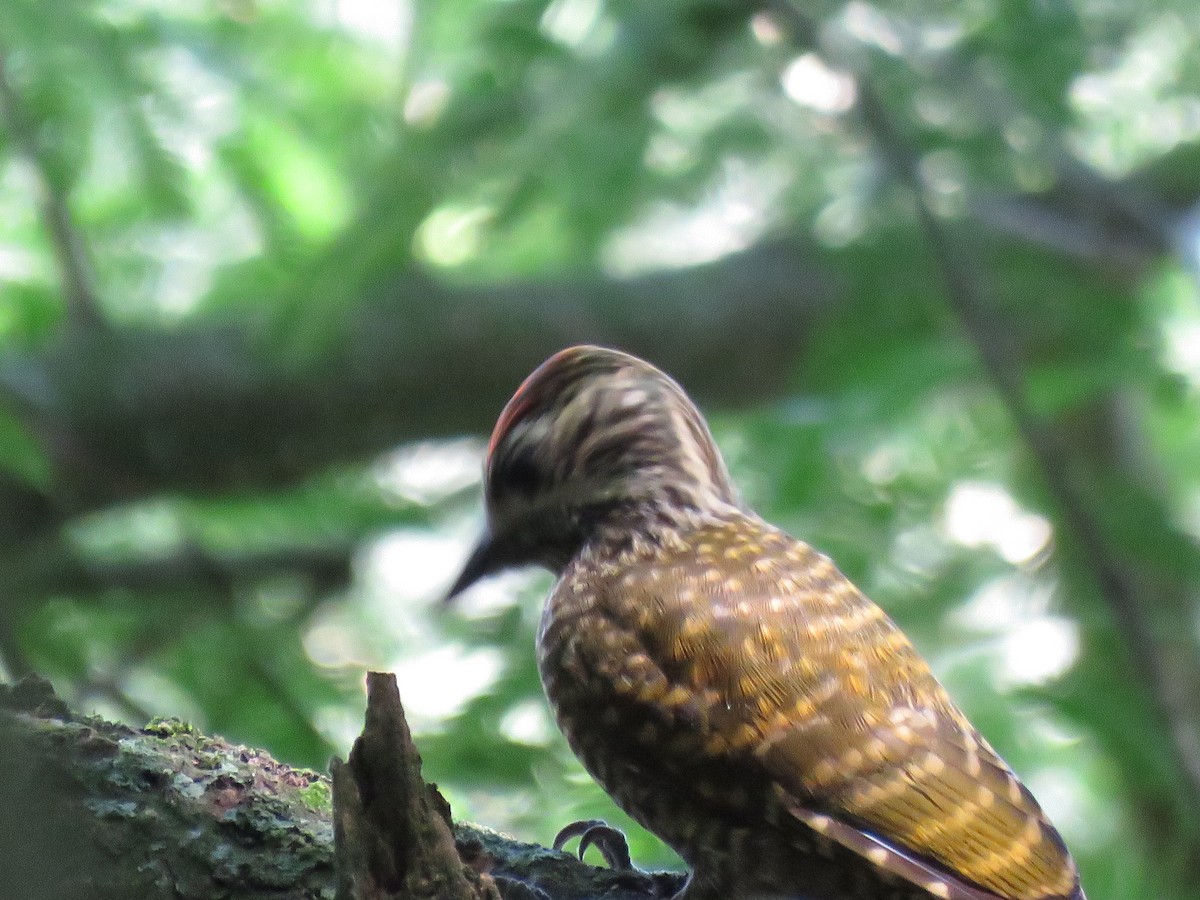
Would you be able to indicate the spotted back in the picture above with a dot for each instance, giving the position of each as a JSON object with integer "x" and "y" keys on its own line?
{"x": 766, "y": 655}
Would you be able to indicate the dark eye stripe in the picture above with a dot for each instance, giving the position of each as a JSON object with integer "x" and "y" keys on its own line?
{"x": 521, "y": 473}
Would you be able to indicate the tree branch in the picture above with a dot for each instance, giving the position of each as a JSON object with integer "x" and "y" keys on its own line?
{"x": 70, "y": 251}
{"x": 195, "y": 568}
{"x": 89, "y": 809}
{"x": 131, "y": 413}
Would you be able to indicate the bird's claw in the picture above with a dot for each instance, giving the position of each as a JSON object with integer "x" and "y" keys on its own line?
{"x": 599, "y": 834}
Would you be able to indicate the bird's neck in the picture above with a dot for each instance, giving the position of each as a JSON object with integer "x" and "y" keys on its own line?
{"x": 609, "y": 524}
{"x": 652, "y": 522}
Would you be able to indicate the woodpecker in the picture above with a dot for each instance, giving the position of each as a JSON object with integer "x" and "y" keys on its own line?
{"x": 723, "y": 681}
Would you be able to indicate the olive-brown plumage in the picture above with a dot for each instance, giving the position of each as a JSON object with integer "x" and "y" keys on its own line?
{"x": 723, "y": 681}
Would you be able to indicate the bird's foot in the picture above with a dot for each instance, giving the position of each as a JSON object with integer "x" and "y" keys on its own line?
{"x": 694, "y": 888}
{"x": 599, "y": 834}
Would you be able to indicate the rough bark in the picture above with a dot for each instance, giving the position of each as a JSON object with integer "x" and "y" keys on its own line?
{"x": 394, "y": 835}
{"x": 90, "y": 809}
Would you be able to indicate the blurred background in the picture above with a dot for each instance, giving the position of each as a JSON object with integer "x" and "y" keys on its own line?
{"x": 269, "y": 270}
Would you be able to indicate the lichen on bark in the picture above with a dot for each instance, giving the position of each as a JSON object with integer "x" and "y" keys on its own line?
{"x": 97, "y": 810}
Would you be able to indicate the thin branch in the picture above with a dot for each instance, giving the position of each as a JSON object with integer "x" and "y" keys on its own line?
{"x": 1000, "y": 356}
{"x": 193, "y": 567}
{"x": 1055, "y": 224}
{"x": 70, "y": 250}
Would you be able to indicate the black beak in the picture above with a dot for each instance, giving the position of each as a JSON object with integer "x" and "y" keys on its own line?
{"x": 486, "y": 559}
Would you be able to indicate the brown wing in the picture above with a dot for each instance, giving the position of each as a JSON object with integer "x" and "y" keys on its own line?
{"x": 788, "y": 663}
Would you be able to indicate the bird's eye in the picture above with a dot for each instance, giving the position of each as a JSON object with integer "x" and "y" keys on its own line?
{"x": 522, "y": 474}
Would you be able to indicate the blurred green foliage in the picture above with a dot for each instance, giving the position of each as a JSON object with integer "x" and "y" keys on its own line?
{"x": 270, "y": 170}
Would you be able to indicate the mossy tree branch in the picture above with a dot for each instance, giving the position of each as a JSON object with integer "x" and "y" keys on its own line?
{"x": 91, "y": 809}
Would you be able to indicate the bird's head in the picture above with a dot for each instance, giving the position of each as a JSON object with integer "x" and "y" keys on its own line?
{"x": 590, "y": 436}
